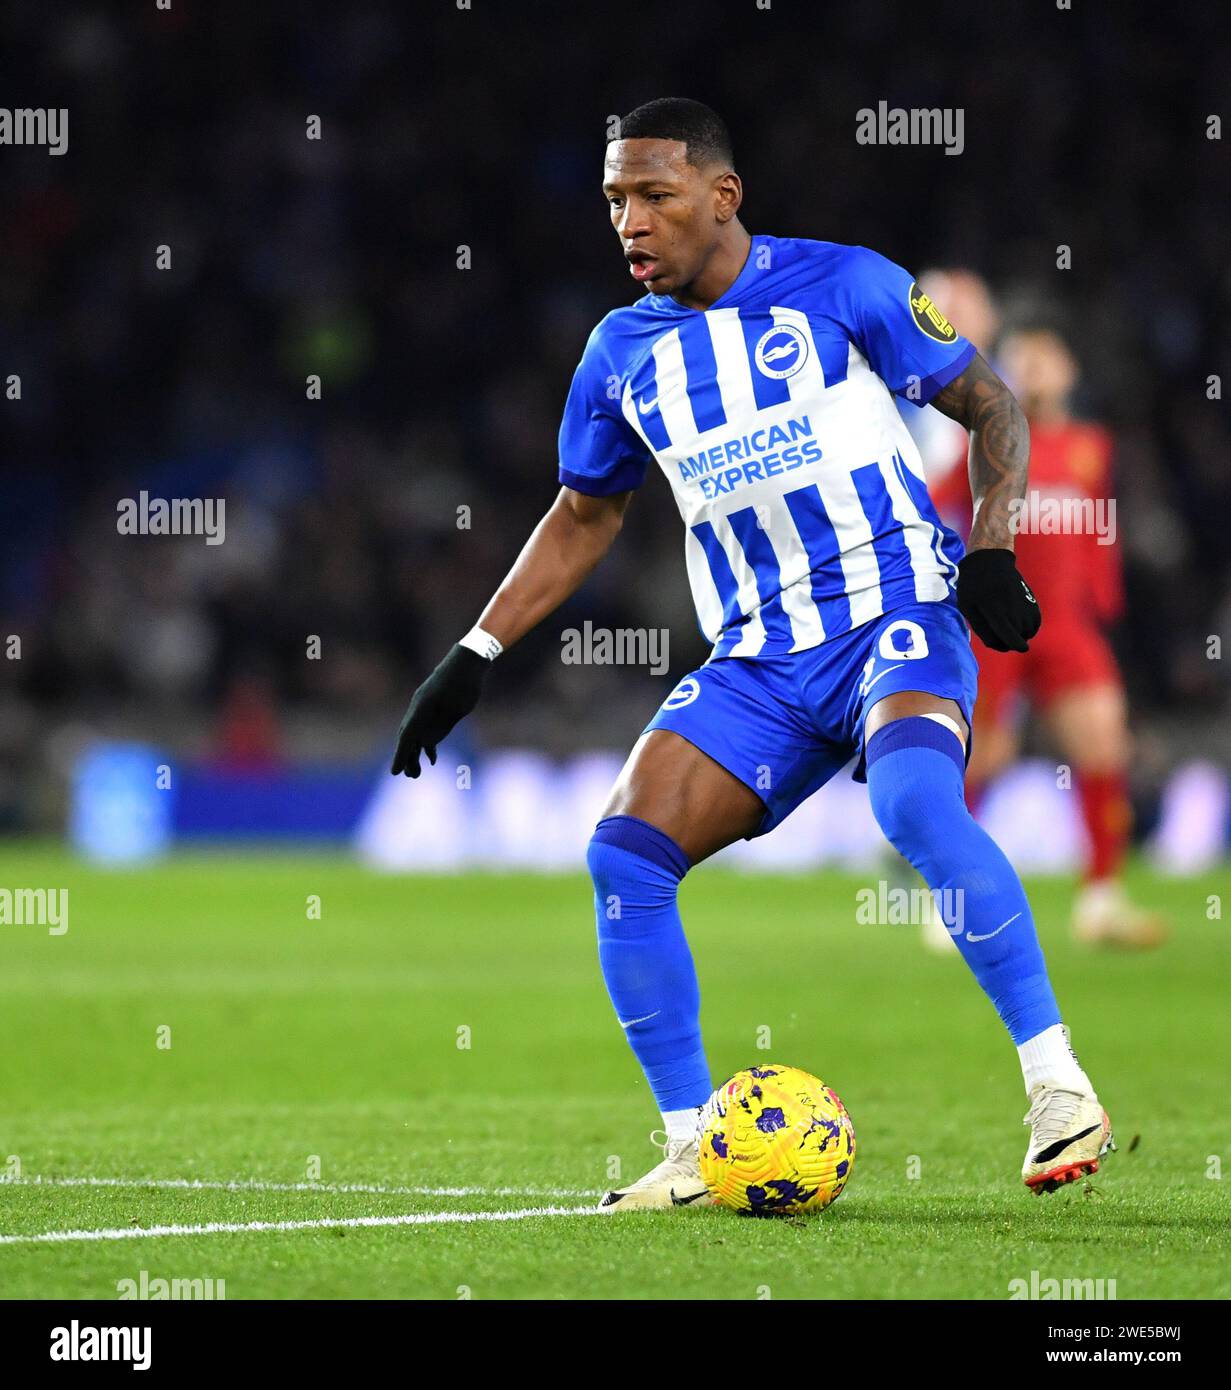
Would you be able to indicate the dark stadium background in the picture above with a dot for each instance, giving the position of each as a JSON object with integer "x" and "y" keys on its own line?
{"x": 442, "y": 387}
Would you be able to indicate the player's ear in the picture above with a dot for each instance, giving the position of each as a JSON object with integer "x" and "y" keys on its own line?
{"x": 728, "y": 195}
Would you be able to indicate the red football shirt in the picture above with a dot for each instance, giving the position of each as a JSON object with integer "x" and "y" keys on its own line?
{"x": 1067, "y": 537}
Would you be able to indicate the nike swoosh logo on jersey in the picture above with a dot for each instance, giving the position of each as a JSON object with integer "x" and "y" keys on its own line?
{"x": 645, "y": 406}
{"x": 987, "y": 936}
{"x": 642, "y": 1019}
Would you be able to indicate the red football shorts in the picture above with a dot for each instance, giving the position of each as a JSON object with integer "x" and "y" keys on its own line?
{"x": 1069, "y": 653}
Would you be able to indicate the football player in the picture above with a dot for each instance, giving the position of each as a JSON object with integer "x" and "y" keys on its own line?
{"x": 759, "y": 373}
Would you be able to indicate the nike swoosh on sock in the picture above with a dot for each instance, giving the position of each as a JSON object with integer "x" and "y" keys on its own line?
{"x": 987, "y": 936}
{"x": 643, "y": 1019}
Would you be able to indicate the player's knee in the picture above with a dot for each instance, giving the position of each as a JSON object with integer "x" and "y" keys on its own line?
{"x": 915, "y": 774}
{"x": 900, "y": 807}
{"x": 1103, "y": 747}
{"x": 609, "y": 867}
{"x": 627, "y": 856}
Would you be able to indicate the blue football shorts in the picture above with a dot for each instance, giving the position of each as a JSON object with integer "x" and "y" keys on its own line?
{"x": 785, "y": 725}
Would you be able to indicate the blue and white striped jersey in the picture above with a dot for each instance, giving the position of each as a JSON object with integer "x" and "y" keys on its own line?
{"x": 771, "y": 414}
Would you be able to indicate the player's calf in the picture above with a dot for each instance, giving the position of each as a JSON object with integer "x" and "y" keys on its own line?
{"x": 650, "y": 977}
{"x": 915, "y": 774}
{"x": 672, "y": 806}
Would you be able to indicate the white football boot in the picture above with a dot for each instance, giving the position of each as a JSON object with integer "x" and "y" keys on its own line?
{"x": 1104, "y": 916}
{"x": 675, "y": 1182}
{"x": 1069, "y": 1133}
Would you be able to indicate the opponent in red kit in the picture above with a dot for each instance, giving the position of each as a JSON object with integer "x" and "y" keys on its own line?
{"x": 1067, "y": 543}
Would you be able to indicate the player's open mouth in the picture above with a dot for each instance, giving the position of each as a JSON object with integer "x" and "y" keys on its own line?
{"x": 642, "y": 265}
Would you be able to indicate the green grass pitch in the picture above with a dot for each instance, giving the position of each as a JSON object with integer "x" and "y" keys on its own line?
{"x": 314, "y": 1075}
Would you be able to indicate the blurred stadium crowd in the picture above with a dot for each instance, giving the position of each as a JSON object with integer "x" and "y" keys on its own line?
{"x": 442, "y": 386}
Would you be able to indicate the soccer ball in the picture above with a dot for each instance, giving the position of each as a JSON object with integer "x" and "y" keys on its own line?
{"x": 775, "y": 1141}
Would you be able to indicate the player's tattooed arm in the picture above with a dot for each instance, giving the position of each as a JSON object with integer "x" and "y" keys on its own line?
{"x": 999, "y": 450}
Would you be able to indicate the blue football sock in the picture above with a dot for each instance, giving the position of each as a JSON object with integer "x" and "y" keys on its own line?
{"x": 645, "y": 958}
{"x": 915, "y": 773}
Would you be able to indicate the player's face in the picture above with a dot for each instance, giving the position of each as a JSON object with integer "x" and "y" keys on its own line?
{"x": 1040, "y": 369}
{"x": 667, "y": 213}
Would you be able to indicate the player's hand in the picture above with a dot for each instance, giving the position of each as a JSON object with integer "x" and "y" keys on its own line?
{"x": 996, "y": 601}
{"x": 446, "y": 697}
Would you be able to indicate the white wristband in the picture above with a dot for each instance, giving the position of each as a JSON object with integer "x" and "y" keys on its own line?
{"x": 481, "y": 642}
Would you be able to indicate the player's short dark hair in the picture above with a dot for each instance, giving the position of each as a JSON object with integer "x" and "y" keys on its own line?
{"x": 1037, "y": 324}
{"x": 696, "y": 125}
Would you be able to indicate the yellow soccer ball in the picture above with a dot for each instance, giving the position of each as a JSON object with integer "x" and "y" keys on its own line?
{"x": 775, "y": 1141}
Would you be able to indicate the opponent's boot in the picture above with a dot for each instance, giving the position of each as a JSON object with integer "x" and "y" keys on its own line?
{"x": 1104, "y": 916}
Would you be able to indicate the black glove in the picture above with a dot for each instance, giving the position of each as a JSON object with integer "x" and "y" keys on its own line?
{"x": 446, "y": 697}
{"x": 996, "y": 601}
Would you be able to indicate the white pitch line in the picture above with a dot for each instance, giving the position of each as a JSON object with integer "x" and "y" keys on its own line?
{"x": 260, "y": 1185}
{"x": 212, "y": 1228}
